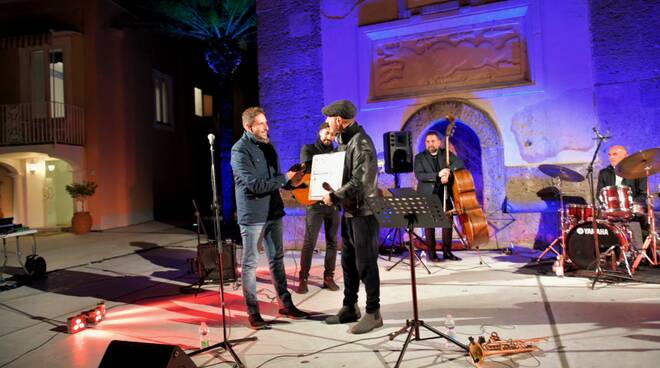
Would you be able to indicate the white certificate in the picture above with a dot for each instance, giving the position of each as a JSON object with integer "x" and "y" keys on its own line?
{"x": 326, "y": 168}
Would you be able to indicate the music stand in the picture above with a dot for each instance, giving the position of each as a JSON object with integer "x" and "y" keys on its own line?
{"x": 411, "y": 212}
{"x": 398, "y": 231}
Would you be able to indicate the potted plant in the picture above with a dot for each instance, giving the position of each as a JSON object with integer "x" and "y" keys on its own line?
{"x": 82, "y": 220}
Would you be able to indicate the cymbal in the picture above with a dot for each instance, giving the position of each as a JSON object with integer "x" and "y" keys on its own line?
{"x": 635, "y": 165}
{"x": 561, "y": 172}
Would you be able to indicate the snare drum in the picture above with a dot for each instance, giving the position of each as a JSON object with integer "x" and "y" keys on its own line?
{"x": 617, "y": 202}
{"x": 579, "y": 213}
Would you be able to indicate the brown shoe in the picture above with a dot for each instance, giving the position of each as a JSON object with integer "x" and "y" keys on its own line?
{"x": 329, "y": 283}
{"x": 302, "y": 286}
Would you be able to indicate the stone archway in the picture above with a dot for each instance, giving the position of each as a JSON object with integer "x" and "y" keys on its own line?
{"x": 490, "y": 142}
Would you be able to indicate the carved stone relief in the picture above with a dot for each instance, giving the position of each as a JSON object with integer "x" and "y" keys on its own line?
{"x": 464, "y": 59}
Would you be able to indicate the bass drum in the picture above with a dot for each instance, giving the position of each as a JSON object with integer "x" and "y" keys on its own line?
{"x": 580, "y": 242}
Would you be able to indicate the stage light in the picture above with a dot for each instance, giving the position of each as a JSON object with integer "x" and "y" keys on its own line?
{"x": 76, "y": 323}
{"x": 100, "y": 306}
{"x": 93, "y": 316}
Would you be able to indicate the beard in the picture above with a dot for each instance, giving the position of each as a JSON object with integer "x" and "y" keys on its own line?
{"x": 326, "y": 142}
{"x": 263, "y": 139}
{"x": 432, "y": 150}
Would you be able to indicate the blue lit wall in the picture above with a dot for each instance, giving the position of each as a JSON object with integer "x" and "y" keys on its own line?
{"x": 592, "y": 63}
{"x": 290, "y": 75}
{"x": 626, "y": 68}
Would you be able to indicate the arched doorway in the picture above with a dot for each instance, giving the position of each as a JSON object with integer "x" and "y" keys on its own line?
{"x": 466, "y": 145}
{"x": 33, "y": 189}
{"x": 477, "y": 142}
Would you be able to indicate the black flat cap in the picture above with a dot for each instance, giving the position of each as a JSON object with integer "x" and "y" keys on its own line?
{"x": 343, "y": 108}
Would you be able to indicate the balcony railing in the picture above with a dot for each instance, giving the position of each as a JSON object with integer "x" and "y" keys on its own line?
{"x": 41, "y": 123}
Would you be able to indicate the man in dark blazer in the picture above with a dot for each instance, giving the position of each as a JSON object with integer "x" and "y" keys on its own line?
{"x": 258, "y": 179}
{"x": 607, "y": 176}
{"x": 433, "y": 176}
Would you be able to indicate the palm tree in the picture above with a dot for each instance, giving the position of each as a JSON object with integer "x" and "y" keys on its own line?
{"x": 225, "y": 25}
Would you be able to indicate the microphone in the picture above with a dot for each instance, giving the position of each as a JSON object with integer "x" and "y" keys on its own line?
{"x": 600, "y": 136}
{"x": 211, "y": 138}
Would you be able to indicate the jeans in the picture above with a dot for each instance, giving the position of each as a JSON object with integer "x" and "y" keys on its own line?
{"x": 359, "y": 260}
{"x": 270, "y": 233}
{"x": 315, "y": 216}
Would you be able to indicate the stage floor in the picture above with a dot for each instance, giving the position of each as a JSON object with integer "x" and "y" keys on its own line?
{"x": 138, "y": 272}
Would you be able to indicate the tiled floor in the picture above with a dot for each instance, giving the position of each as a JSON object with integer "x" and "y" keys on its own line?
{"x": 138, "y": 272}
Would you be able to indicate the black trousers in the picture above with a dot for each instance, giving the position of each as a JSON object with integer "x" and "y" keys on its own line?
{"x": 359, "y": 260}
{"x": 447, "y": 234}
{"x": 315, "y": 216}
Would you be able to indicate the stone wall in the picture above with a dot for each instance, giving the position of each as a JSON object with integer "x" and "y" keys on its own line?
{"x": 626, "y": 69}
{"x": 319, "y": 52}
{"x": 290, "y": 74}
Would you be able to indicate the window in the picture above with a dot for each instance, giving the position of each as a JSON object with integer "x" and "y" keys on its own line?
{"x": 163, "y": 98}
{"x": 203, "y": 103}
{"x": 199, "y": 105}
{"x": 56, "y": 81}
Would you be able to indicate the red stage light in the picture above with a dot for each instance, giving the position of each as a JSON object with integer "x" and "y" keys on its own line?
{"x": 100, "y": 306}
{"x": 76, "y": 323}
{"x": 93, "y": 316}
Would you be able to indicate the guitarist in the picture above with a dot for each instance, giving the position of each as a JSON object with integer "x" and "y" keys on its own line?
{"x": 315, "y": 215}
{"x": 432, "y": 176}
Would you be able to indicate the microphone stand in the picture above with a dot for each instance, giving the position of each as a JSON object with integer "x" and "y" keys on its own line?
{"x": 590, "y": 178}
{"x": 225, "y": 343}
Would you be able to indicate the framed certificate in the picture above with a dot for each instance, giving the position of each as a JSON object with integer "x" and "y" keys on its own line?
{"x": 326, "y": 168}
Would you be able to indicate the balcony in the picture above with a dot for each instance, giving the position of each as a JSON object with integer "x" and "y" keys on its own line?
{"x": 42, "y": 123}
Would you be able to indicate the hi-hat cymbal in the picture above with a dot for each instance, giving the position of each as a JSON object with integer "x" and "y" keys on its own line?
{"x": 635, "y": 166}
{"x": 561, "y": 172}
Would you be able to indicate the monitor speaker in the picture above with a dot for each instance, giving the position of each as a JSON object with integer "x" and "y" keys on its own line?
{"x": 398, "y": 152}
{"x": 141, "y": 354}
{"x": 207, "y": 264}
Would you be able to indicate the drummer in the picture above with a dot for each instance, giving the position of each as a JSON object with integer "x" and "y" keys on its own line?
{"x": 607, "y": 177}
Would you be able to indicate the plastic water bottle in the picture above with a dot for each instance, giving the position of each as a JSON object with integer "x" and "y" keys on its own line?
{"x": 450, "y": 326}
{"x": 204, "y": 341}
{"x": 558, "y": 268}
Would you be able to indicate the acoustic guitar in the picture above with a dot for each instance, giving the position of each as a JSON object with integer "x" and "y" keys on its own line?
{"x": 301, "y": 192}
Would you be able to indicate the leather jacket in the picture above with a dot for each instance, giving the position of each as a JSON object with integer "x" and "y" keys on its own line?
{"x": 360, "y": 172}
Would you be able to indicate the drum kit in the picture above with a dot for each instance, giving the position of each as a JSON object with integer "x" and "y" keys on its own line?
{"x": 592, "y": 234}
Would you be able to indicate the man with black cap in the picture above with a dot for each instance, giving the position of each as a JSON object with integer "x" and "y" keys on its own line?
{"x": 317, "y": 214}
{"x": 359, "y": 226}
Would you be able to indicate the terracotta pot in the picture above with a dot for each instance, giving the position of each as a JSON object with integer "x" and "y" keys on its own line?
{"x": 81, "y": 223}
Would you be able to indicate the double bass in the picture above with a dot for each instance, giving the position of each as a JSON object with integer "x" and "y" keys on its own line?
{"x": 466, "y": 205}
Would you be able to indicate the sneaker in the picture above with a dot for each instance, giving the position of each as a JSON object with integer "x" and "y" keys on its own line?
{"x": 329, "y": 283}
{"x": 302, "y": 286}
{"x": 368, "y": 323}
{"x": 257, "y": 323}
{"x": 345, "y": 315}
{"x": 293, "y": 313}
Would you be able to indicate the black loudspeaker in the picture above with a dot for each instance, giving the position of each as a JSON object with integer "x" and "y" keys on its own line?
{"x": 141, "y": 354}
{"x": 207, "y": 264}
{"x": 398, "y": 152}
